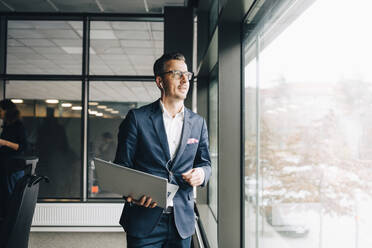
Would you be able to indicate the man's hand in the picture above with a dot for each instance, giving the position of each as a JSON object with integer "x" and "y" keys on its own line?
{"x": 143, "y": 201}
{"x": 194, "y": 177}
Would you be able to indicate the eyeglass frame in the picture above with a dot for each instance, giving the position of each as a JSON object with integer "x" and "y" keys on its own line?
{"x": 181, "y": 73}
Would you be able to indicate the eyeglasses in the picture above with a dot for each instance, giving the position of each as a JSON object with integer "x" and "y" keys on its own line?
{"x": 178, "y": 74}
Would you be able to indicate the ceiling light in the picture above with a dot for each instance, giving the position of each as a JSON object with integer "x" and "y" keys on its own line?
{"x": 77, "y": 108}
{"x": 101, "y": 106}
{"x": 17, "y": 100}
{"x": 92, "y": 112}
{"x": 66, "y": 104}
{"x": 93, "y": 103}
{"x": 53, "y": 101}
{"x": 109, "y": 109}
{"x": 99, "y": 114}
{"x": 115, "y": 112}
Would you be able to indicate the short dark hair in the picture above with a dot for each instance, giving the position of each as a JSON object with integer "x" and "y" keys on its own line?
{"x": 160, "y": 62}
{"x": 11, "y": 112}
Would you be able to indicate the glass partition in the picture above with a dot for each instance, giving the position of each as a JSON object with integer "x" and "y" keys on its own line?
{"x": 125, "y": 48}
{"x": 51, "y": 113}
{"x": 44, "y": 47}
{"x": 213, "y": 140}
{"x": 109, "y": 103}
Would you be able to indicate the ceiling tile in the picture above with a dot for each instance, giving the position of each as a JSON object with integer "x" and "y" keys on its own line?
{"x": 23, "y": 33}
{"x": 76, "y": 6}
{"x": 139, "y": 51}
{"x": 100, "y": 25}
{"x": 37, "y": 42}
{"x": 68, "y": 42}
{"x": 102, "y": 35}
{"x": 49, "y": 24}
{"x": 157, "y": 26}
{"x": 158, "y": 35}
{"x": 136, "y": 43}
{"x": 49, "y": 50}
{"x": 30, "y": 5}
{"x": 14, "y": 43}
{"x": 20, "y": 25}
{"x": 20, "y": 50}
{"x": 89, "y": 6}
{"x": 56, "y": 34}
{"x": 136, "y": 26}
{"x": 133, "y": 35}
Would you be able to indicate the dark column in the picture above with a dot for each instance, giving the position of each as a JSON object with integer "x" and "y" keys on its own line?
{"x": 178, "y": 36}
{"x": 231, "y": 184}
{"x": 3, "y": 39}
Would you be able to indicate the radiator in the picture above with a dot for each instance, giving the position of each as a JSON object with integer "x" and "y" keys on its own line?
{"x": 77, "y": 215}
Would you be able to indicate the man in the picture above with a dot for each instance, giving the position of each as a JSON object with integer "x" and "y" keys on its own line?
{"x": 165, "y": 139}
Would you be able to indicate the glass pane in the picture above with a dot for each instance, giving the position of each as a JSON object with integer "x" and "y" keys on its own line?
{"x": 125, "y": 48}
{"x": 51, "y": 112}
{"x": 44, "y": 47}
{"x": 213, "y": 140}
{"x": 250, "y": 145}
{"x": 315, "y": 160}
{"x": 108, "y": 105}
{"x": 213, "y": 16}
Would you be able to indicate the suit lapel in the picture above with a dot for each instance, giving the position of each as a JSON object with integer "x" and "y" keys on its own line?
{"x": 186, "y": 130}
{"x": 157, "y": 121}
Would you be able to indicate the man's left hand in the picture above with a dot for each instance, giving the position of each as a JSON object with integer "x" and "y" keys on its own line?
{"x": 194, "y": 177}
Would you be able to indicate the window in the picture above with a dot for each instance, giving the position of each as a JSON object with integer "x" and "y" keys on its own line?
{"x": 39, "y": 51}
{"x": 125, "y": 48}
{"x": 307, "y": 153}
{"x": 109, "y": 103}
{"x": 213, "y": 140}
{"x": 44, "y": 47}
{"x": 51, "y": 113}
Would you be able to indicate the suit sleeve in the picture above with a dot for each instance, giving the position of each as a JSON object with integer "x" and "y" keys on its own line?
{"x": 202, "y": 158}
{"x": 127, "y": 141}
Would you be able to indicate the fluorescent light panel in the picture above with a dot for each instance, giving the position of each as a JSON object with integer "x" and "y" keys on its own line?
{"x": 77, "y": 108}
{"x": 17, "y": 100}
{"x": 66, "y": 104}
{"x": 52, "y": 101}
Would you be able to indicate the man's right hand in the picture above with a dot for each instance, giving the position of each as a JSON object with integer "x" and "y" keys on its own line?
{"x": 143, "y": 201}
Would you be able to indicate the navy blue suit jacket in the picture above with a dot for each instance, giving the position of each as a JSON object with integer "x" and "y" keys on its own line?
{"x": 143, "y": 145}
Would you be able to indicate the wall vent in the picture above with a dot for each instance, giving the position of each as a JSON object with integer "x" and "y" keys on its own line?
{"x": 77, "y": 214}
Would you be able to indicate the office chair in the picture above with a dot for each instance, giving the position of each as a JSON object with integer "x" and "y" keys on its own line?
{"x": 15, "y": 228}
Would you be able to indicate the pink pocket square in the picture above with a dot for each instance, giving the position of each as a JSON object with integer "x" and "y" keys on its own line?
{"x": 192, "y": 141}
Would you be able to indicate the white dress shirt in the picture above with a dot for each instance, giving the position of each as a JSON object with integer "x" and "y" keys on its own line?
{"x": 173, "y": 128}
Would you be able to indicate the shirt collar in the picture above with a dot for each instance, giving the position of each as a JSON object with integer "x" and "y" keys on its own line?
{"x": 164, "y": 110}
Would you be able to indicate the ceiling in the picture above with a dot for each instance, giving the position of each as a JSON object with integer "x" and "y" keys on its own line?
{"x": 55, "y": 47}
{"x": 89, "y": 6}
{"x": 113, "y": 94}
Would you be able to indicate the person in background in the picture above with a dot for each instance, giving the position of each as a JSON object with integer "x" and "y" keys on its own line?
{"x": 12, "y": 143}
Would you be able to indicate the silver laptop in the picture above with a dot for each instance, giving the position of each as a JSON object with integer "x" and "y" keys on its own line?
{"x": 125, "y": 181}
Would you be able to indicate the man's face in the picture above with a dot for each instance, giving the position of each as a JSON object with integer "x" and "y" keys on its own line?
{"x": 174, "y": 87}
